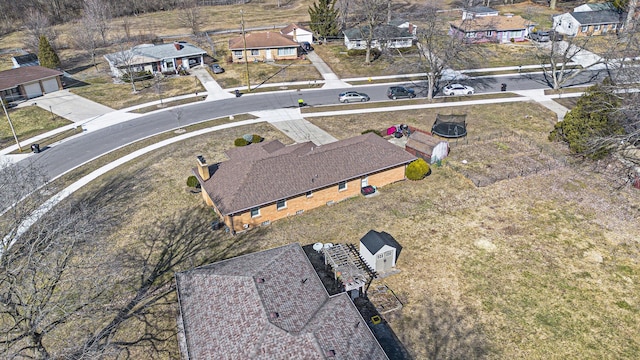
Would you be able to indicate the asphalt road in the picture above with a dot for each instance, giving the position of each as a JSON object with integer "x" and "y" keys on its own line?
{"x": 72, "y": 153}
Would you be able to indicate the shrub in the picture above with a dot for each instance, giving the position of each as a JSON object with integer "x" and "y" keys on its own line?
{"x": 138, "y": 76}
{"x": 362, "y": 52}
{"x": 256, "y": 139}
{"x": 377, "y": 132}
{"x": 417, "y": 170}
{"x": 240, "y": 142}
{"x": 192, "y": 182}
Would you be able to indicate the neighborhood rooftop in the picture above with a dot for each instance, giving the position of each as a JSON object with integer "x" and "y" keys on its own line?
{"x": 598, "y": 17}
{"x": 261, "y": 40}
{"x": 262, "y": 173}
{"x": 379, "y": 32}
{"x": 11, "y": 78}
{"x": 150, "y": 52}
{"x": 266, "y": 305}
{"x": 498, "y": 23}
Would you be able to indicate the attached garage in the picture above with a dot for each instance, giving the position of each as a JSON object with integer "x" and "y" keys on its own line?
{"x": 32, "y": 90}
{"x": 50, "y": 85}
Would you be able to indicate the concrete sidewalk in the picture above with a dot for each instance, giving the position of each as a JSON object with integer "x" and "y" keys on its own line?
{"x": 214, "y": 90}
{"x": 293, "y": 124}
{"x": 331, "y": 79}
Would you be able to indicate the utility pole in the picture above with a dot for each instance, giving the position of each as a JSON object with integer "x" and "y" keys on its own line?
{"x": 246, "y": 59}
{"x": 10, "y": 124}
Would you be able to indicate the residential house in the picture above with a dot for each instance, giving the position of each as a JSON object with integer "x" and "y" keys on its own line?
{"x": 156, "y": 58}
{"x": 403, "y": 24}
{"x": 264, "y": 46}
{"x": 478, "y": 11}
{"x": 589, "y": 19}
{"x": 379, "y": 250}
{"x": 298, "y": 33}
{"x": 268, "y": 305}
{"x": 27, "y": 82}
{"x": 268, "y": 181}
{"x": 25, "y": 60}
{"x": 384, "y": 36}
{"x": 499, "y": 29}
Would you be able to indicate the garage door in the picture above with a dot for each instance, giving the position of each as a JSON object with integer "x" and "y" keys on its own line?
{"x": 33, "y": 90}
{"x": 50, "y": 85}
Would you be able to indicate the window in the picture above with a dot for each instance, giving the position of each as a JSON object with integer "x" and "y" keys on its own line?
{"x": 604, "y": 28}
{"x": 614, "y": 26}
{"x": 342, "y": 185}
{"x": 584, "y": 28}
{"x": 309, "y": 193}
{"x": 596, "y": 27}
{"x": 255, "y": 52}
{"x": 237, "y": 53}
{"x": 490, "y": 33}
{"x": 255, "y": 212}
{"x": 281, "y": 204}
{"x": 514, "y": 34}
{"x": 380, "y": 256}
{"x": 286, "y": 51}
{"x": 470, "y": 34}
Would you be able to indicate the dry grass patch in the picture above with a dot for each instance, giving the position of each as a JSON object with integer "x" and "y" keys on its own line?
{"x": 119, "y": 96}
{"x": 269, "y": 73}
{"x": 28, "y": 122}
{"x": 538, "y": 14}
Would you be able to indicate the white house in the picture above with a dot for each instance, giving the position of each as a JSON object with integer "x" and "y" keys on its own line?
{"x": 478, "y": 11}
{"x": 298, "y": 33}
{"x": 588, "y": 22}
{"x": 379, "y": 250}
{"x": 387, "y": 36}
{"x": 156, "y": 58}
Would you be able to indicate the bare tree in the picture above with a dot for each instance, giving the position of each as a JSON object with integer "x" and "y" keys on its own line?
{"x": 86, "y": 38}
{"x": 439, "y": 50}
{"x": 372, "y": 13}
{"x": 97, "y": 13}
{"x": 125, "y": 60}
{"x": 189, "y": 15}
{"x": 36, "y": 24}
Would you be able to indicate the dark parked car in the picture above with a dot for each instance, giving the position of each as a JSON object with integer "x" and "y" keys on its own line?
{"x": 217, "y": 69}
{"x": 397, "y": 92}
{"x": 306, "y": 46}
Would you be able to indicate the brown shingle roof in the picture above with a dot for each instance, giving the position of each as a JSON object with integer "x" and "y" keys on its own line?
{"x": 291, "y": 27}
{"x": 263, "y": 173}
{"x": 266, "y": 305}
{"x": 262, "y": 40}
{"x": 496, "y": 23}
{"x": 422, "y": 142}
{"x": 9, "y": 79}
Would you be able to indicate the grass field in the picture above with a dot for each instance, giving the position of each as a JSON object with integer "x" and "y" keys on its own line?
{"x": 27, "y": 122}
{"x": 536, "y": 266}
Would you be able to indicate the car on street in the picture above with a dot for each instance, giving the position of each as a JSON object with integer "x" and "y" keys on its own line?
{"x": 217, "y": 69}
{"x": 458, "y": 89}
{"x": 353, "y": 96}
{"x": 397, "y": 92}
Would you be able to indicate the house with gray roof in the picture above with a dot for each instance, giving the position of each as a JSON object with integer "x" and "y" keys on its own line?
{"x": 268, "y": 305}
{"x": 28, "y": 59}
{"x": 156, "y": 58}
{"x": 590, "y": 19}
{"x": 384, "y": 36}
{"x": 268, "y": 181}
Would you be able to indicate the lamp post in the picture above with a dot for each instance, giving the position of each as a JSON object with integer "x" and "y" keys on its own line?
{"x": 13, "y": 131}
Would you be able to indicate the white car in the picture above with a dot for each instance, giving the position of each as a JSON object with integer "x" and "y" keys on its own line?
{"x": 458, "y": 89}
{"x": 352, "y": 96}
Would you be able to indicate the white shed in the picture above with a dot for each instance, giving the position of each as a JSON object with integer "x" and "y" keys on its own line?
{"x": 298, "y": 33}
{"x": 379, "y": 250}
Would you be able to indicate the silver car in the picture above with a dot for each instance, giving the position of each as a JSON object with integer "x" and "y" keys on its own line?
{"x": 352, "y": 96}
{"x": 458, "y": 89}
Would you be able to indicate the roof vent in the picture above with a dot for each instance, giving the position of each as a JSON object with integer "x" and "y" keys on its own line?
{"x": 274, "y": 315}
{"x": 260, "y": 280}
{"x": 304, "y": 280}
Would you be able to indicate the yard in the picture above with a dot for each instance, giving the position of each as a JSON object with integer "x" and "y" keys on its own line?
{"x": 538, "y": 264}
{"x": 27, "y": 123}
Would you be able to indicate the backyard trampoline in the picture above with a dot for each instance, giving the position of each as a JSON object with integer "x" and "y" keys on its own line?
{"x": 450, "y": 126}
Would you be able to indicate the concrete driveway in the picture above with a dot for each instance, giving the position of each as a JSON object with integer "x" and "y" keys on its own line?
{"x": 69, "y": 106}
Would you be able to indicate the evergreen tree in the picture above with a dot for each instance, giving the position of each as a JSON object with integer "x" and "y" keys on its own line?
{"x": 593, "y": 118}
{"x": 47, "y": 56}
{"x": 324, "y": 18}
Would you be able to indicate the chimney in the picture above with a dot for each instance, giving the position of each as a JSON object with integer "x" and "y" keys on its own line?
{"x": 295, "y": 35}
{"x": 178, "y": 46}
{"x": 203, "y": 168}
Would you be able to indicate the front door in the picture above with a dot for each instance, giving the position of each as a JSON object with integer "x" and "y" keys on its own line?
{"x": 268, "y": 54}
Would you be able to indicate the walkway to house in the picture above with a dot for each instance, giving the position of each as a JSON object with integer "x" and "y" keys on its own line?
{"x": 539, "y": 96}
{"x": 331, "y": 79}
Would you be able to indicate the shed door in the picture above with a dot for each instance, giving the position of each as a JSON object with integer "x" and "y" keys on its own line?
{"x": 380, "y": 262}
{"x": 33, "y": 90}
{"x": 50, "y": 85}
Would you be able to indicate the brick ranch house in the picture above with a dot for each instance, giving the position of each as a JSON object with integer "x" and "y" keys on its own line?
{"x": 264, "y": 46}
{"x": 28, "y": 82}
{"x": 268, "y": 181}
{"x": 498, "y": 29}
{"x": 268, "y": 305}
